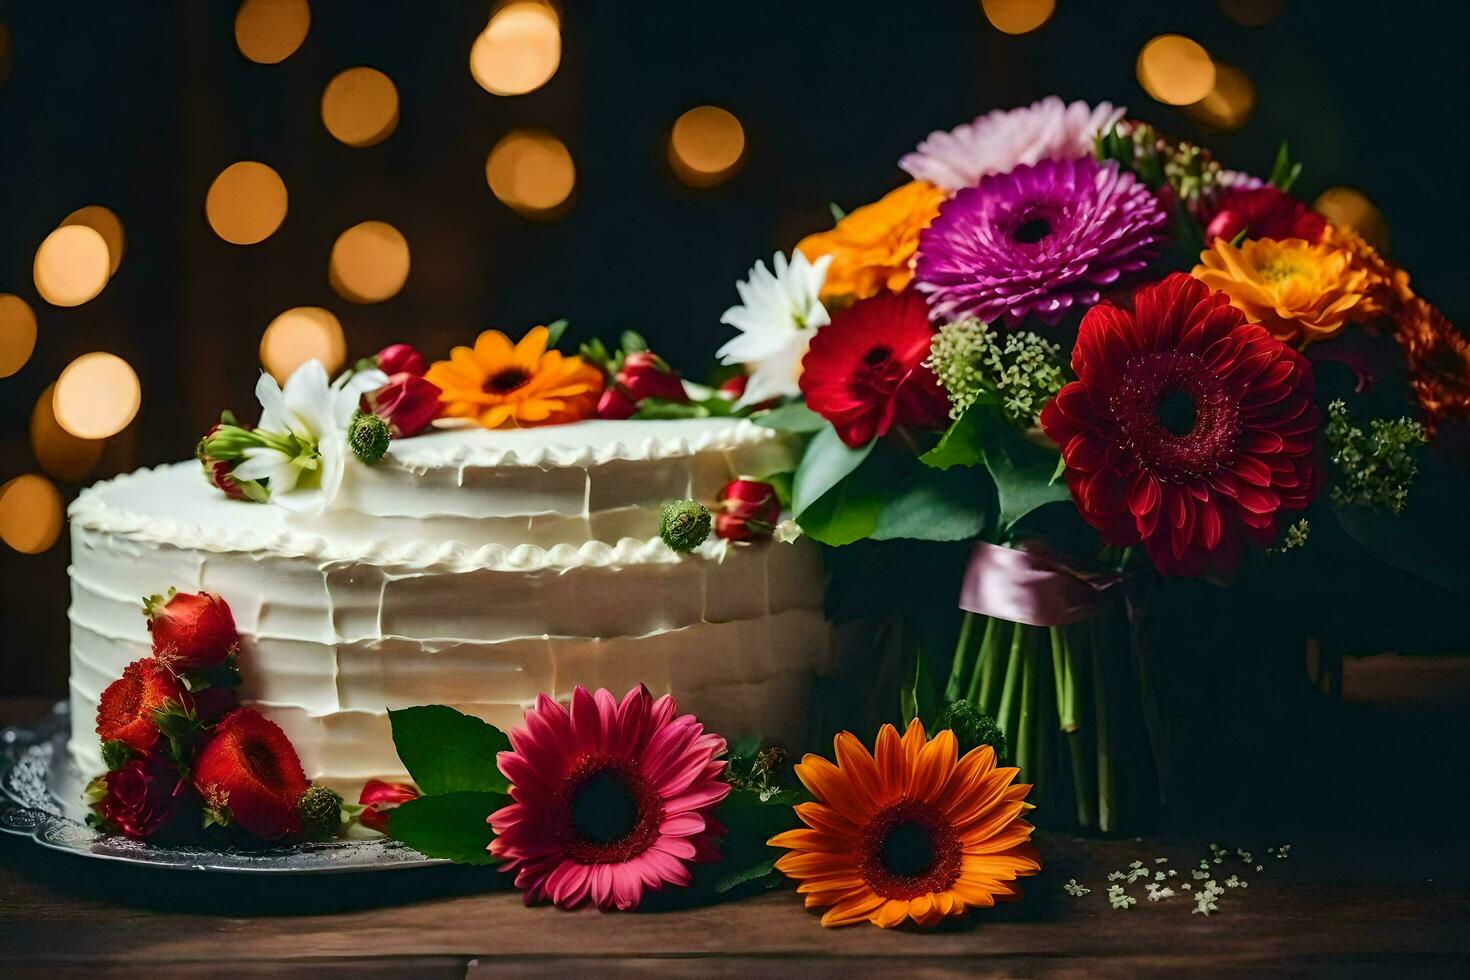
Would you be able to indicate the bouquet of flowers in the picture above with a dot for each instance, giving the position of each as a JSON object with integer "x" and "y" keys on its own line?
{"x": 1072, "y": 358}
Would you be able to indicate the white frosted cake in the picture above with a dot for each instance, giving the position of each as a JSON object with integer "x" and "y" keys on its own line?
{"x": 473, "y": 568}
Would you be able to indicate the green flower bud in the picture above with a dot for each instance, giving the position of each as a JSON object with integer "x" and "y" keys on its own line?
{"x": 972, "y": 727}
{"x": 321, "y": 812}
{"x": 368, "y": 436}
{"x": 684, "y": 525}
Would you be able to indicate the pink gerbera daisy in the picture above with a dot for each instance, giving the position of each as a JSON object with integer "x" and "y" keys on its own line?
{"x": 610, "y": 798}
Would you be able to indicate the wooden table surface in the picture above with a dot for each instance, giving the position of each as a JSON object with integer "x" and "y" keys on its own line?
{"x": 1393, "y": 903}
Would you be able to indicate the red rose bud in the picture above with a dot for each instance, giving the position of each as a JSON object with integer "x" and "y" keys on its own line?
{"x": 142, "y": 797}
{"x": 213, "y": 703}
{"x": 221, "y": 448}
{"x": 378, "y": 797}
{"x": 734, "y": 387}
{"x": 643, "y": 375}
{"x": 748, "y": 509}
{"x": 191, "y": 631}
{"x": 408, "y": 403}
{"x": 1263, "y": 212}
{"x": 401, "y": 359}
{"x": 249, "y": 774}
{"x": 125, "y": 712}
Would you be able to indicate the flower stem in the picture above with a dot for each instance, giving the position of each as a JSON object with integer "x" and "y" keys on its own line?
{"x": 1106, "y": 785}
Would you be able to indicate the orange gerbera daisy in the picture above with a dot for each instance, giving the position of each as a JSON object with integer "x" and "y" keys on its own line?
{"x": 1386, "y": 287}
{"x": 498, "y": 384}
{"x": 873, "y": 248}
{"x": 1438, "y": 357}
{"x": 1298, "y": 291}
{"x": 914, "y": 833}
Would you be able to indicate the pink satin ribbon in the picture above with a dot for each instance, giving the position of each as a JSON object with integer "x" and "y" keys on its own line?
{"x": 1032, "y": 587}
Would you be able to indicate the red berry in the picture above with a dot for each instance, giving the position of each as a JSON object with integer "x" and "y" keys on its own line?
{"x": 191, "y": 631}
{"x": 125, "y": 710}
{"x": 250, "y": 768}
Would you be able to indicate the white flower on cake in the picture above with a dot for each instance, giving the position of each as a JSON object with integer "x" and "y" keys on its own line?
{"x": 778, "y": 313}
{"x": 303, "y": 431}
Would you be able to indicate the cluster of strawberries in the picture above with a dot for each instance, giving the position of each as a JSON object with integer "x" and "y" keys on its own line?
{"x": 182, "y": 753}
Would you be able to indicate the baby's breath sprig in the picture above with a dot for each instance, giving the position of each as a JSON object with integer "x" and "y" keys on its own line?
{"x": 1021, "y": 368}
{"x": 1377, "y": 467}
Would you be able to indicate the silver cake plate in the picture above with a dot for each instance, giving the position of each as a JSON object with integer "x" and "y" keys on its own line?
{"x": 41, "y": 798}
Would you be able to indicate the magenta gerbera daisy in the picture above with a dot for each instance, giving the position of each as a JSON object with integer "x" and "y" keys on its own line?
{"x": 610, "y": 797}
{"x": 1038, "y": 240}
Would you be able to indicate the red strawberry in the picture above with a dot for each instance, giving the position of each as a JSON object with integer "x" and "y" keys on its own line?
{"x": 250, "y": 770}
{"x": 125, "y": 711}
{"x": 191, "y": 631}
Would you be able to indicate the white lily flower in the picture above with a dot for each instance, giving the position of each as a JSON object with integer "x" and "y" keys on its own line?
{"x": 304, "y": 428}
{"x": 778, "y": 313}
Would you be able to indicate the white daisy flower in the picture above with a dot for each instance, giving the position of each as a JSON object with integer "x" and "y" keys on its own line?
{"x": 303, "y": 431}
{"x": 778, "y": 313}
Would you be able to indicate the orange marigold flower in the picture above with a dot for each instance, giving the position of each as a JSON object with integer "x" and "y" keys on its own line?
{"x": 1386, "y": 288}
{"x": 910, "y": 832}
{"x": 498, "y": 384}
{"x": 1438, "y": 359}
{"x": 1299, "y": 292}
{"x": 873, "y": 248}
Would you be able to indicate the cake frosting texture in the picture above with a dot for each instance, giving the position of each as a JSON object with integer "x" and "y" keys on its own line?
{"x": 473, "y": 568}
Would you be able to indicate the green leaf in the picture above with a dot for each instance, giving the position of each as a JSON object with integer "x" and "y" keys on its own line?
{"x": 744, "y": 812}
{"x": 919, "y": 697}
{"x": 963, "y": 443}
{"x": 1024, "y": 475}
{"x": 845, "y": 514}
{"x": 741, "y": 872}
{"x": 554, "y": 331}
{"x": 1284, "y": 173}
{"x": 826, "y": 463}
{"x": 449, "y": 825}
{"x": 938, "y": 505}
{"x": 663, "y": 408}
{"x": 795, "y": 417}
{"x": 837, "y": 213}
{"x": 632, "y": 340}
{"x": 448, "y": 752}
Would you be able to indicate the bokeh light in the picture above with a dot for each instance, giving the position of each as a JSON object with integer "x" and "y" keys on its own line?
{"x": 369, "y": 262}
{"x": 297, "y": 336}
{"x": 96, "y": 396}
{"x": 246, "y": 203}
{"x": 1230, "y": 103}
{"x": 1252, "y": 13}
{"x": 705, "y": 145}
{"x": 30, "y": 513}
{"x": 1351, "y": 208}
{"x": 72, "y": 265}
{"x": 532, "y": 172}
{"x": 62, "y": 455}
{"x": 360, "y": 107}
{"x": 519, "y": 50}
{"x": 17, "y": 334}
{"x": 270, "y": 31}
{"x": 1018, "y": 16}
{"x": 105, "y": 223}
{"x": 1175, "y": 69}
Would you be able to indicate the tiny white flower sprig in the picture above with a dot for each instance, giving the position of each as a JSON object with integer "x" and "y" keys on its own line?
{"x": 1206, "y": 897}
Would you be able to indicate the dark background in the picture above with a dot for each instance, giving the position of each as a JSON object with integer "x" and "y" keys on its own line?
{"x": 138, "y": 106}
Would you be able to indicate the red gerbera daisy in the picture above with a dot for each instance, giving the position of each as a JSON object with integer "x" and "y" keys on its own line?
{"x": 1187, "y": 427}
{"x": 865, "y": 370}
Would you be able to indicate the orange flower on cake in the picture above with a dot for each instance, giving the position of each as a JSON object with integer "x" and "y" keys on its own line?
{"x": 1299, "y": 292}
{"x": 873, "y": 248}
{"x": 911, "y": 831}
{"x": 497, "y": 383}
